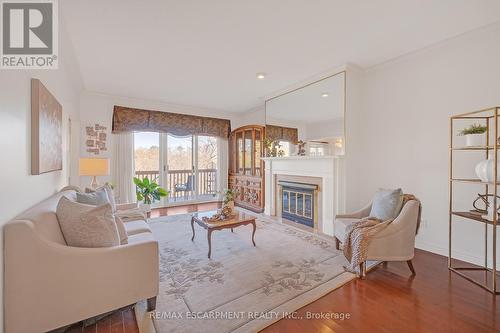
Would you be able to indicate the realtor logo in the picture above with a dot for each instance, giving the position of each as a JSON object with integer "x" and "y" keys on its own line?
{"x": 29, "y": 34}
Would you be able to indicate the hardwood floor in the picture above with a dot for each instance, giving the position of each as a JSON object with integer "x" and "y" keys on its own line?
{"x": 121, "y": 321}
{"x": 389, "y": 299}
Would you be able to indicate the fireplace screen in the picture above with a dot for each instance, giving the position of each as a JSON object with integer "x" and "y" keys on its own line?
{"x": 297, "y": 202}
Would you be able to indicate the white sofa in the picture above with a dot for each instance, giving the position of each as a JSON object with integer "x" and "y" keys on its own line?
{"x": 394, "y": 243}
{"x": 48, "y": 284}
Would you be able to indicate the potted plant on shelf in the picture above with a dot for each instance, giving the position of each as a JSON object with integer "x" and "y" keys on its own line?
{"x": 148, "y": 192}
{"x": 474, "y": 135}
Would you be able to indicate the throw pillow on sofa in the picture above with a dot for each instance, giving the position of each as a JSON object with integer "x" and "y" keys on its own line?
{"x": 121, "y": 230}
{"x": 94, "y": 198}
{"x": 109, "y": 193}
{"x": 387, "y": 204}
{"x": 87, "y": 226}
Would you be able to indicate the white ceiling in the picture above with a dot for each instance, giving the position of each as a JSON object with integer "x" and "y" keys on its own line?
{"x": 207, "y": 53}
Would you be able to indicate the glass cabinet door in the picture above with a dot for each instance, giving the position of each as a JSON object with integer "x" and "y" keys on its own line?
{"x": 248, "y": 152}
{"x": 257, "y": 154}
{"x": 239, "y": 152}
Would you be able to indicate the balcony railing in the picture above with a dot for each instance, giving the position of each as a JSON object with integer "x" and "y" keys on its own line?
{"x": 178, "y": 180}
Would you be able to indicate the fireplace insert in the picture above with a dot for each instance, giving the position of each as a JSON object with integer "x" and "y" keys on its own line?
{"x": 297, "y": 202}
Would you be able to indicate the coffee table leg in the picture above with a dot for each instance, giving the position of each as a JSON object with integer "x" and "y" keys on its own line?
{"x": 232, "y": 230}
{"x": 253, "y": 233}
{"x": 209, "y": 237}
{"x": 192, "y": 227}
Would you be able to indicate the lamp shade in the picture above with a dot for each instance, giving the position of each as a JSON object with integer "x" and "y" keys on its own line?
{"x": 94, "y": 166}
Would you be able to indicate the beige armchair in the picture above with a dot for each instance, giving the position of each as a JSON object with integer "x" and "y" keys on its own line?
{"x": 394, "y": 243}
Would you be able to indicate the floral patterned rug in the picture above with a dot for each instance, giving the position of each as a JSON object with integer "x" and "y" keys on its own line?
{"x": 242, "y": 288}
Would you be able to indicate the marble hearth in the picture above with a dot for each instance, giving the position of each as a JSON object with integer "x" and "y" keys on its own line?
{"x": 324, "y": 173}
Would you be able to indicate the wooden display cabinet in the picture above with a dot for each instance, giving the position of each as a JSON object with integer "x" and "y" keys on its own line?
{"x": 246, "y": 168}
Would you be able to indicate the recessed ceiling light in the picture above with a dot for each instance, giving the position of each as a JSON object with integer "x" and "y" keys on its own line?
{"x": 324, "y": 95}
{"x": 261, "y": 76}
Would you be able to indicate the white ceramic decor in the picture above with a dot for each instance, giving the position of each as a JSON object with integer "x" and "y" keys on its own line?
{"x": 475, "y": 140}
{"x": 484, "y": 170}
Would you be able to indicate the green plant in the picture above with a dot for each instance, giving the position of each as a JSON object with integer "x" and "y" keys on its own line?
{"x": 229, "y": 195}
{"x": 473, "y": 129}
{"x": 148, "y": 191}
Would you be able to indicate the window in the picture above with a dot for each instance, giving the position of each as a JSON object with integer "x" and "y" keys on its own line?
{"x": 147, "y": 155}
{"x": 185, "y": 166}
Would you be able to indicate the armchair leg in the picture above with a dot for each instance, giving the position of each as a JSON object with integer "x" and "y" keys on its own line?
{"x": 337, "y": 243}
{"x": 362, "y": 270}
{"x": 151, "y": 304}
{"x": 410, "y": 265}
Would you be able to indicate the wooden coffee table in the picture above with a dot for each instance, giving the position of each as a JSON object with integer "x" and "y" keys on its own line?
{"x": 239, "y": 219}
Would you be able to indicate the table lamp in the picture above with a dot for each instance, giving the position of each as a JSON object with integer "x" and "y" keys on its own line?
{"x": 94, "y": 167}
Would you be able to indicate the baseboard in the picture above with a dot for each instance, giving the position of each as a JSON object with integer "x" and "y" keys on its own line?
{"x": 457, "y": 254}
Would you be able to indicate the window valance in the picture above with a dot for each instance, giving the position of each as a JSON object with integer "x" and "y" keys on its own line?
{"x": 127, "y": 119}
{"x": 282, "y": 133}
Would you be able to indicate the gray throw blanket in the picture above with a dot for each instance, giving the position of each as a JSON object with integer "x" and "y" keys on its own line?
{"x": 359, "y": 235}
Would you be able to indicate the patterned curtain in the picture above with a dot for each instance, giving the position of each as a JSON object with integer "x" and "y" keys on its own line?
{"x": 130, "y": 120}
{"x": 282, "y": 133}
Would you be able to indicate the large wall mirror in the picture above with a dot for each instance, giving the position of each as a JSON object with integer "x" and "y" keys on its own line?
{"x": 307, "y": 121}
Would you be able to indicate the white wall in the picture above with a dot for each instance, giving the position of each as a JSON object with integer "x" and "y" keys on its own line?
{"x": 98, "y": 108}
{"x": 400, "y": 138}
{"x": 256, "y": 116}
{"x": 20, "y": 189}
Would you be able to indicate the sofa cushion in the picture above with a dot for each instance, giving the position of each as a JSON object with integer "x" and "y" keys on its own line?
{"x": 120, "y": 226}
{"x": 106, "y": 188}
{"x": 341, "y": 225}
{"x": 128, "y": 215}
{"x": 386, "y": 204}
{"x": 136, "y": 227}
{"x": 95, "y": 198}
{"x": 87, "y": 226}
{"x": 141, "y": 238}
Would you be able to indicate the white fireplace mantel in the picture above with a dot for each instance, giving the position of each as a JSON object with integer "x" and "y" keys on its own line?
{"x": 332, "y": 191}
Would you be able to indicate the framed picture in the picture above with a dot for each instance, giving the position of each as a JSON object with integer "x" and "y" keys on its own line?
{"x": 46, "y": 130}
{"x": 96, "y": 139}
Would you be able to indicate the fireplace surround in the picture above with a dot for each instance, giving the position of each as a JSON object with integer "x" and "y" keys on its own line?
{"x": 327, "y": 172}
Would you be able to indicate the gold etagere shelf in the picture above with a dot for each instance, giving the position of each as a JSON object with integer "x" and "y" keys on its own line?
{"x": 490, "y": 119}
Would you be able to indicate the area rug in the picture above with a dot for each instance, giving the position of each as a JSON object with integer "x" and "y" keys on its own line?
{"x": 242, "y": 288}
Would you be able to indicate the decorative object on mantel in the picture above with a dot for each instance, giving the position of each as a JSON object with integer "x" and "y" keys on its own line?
{"x": 148, "y": 192}
{"x": 474, "y": 135}
{"x": 269, "y": 147}
{"x": 487, "y": 119}
{"x": 46, "y": 130}
{"x": 301, "y": 150}
{"x": 96, "y": 139}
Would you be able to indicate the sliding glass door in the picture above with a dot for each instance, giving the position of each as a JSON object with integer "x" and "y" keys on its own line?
{"x": 185, "y": 166}
{"x": 206, "y": 166}
{"x": 179, "y": 169}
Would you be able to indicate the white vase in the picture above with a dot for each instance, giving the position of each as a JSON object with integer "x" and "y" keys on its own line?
{"x": 484, "y": 169}
{"x": 146, "y": 208}
{"x": 475, "y": 140}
